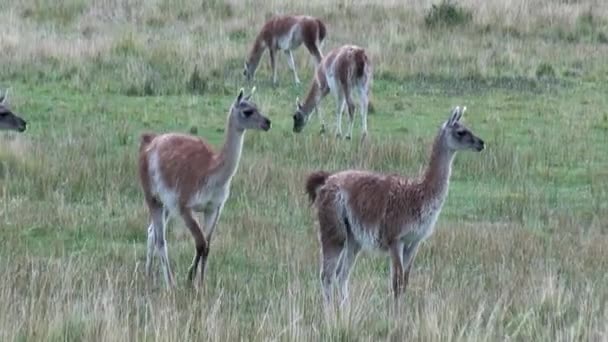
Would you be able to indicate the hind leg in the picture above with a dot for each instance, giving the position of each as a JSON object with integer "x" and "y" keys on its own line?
{"x": 156, "y": 238}
{"x": 340, "y": 104}
{"x": 364, "y": 98}
{"x": 351, "y": 116}
{"x": 150, "y": 251}
{"x": 332, "y": 236}
{"x": 330, "y": 255}
{"x": 315, "y": 51}
{"x": 347, "y": 261}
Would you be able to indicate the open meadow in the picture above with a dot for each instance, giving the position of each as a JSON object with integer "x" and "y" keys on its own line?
{"x": 520, "y": 251}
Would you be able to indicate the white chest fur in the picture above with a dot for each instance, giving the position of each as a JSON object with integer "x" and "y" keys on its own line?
{"x": 423, "y": 228}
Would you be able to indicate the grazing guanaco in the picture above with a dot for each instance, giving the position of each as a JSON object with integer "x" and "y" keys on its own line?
{"x": 182, "y": 175}
{"x": 9, "y": 121}
{"x": 343, "y": 70}
{"x": 286, "y": 33}
{"x": 387, "y": 212}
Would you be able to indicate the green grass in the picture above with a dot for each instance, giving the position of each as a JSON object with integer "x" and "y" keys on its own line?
{"x": 520, "y": 247}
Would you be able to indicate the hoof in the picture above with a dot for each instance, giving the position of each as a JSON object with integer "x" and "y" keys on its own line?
{"x": 347, "y": 137}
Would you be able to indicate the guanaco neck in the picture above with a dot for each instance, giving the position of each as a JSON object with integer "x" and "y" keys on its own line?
{"x": 436, "y": 178}
{"x": 312, "y": 98}
{"x": 255, "y": 54}
{"x": 230, "y": 154}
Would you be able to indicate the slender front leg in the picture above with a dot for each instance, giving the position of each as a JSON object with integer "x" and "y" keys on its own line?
{"x": 201, "y": 245}
{"x": 321, "y": 119}
{"x": 210, "y": 219}
{"x": 409, "y": 254}
{"x": 273, "y": 65}
{"x": 324, "y": 92}
{"x": 396, "y": 251}
{"x": 292, "y": 65}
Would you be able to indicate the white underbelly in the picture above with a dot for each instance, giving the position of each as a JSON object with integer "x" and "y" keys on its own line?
{"x": 209, "y": 197}
{"x": 290, "y": 41}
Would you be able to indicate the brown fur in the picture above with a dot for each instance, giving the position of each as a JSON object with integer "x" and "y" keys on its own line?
{"x": 384, "y": 211}
{"x": 186, "y": 162}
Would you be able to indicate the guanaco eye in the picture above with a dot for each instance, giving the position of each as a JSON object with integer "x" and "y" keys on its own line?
{"x": 248, "y": 112}
{"x": 460, "y": 133}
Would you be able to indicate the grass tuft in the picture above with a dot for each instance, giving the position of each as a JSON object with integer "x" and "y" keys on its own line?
{"x": 447, "y": 14}
{"x": 545, "y": 70}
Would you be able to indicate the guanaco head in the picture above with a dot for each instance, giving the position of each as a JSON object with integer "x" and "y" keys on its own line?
{"x": 8, "y": 119}
{"x": 459, "y": 137}
{"x": 300, "y": 117}
{"x": 246, "y": 114}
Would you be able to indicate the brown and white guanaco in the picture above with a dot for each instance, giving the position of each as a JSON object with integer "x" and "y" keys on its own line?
{"x": 387, "y": 212}
{"x": 182, "y": 175}
{"x": 342, "y": 71}
{"x": 286, "y": 33}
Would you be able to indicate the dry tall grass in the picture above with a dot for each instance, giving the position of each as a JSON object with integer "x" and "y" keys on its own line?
{"x": 154, "y": 46}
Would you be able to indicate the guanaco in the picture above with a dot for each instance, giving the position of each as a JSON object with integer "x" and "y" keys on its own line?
{"x": 286, "y": 33}
{"x": 342, "y": 71}
{"x": 181, "y": 174}
{"x": 362, "y": 209}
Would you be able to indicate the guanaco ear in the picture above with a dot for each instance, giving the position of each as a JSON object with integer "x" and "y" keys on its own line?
{"x": 250, "y": 94}
{"x": 455, "y": 116}
{"x": 464, "y": 108}
{"x": 3, "y": 97}
{"x": 240, "y": 95}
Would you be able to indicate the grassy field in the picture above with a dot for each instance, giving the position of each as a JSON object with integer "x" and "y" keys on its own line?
{"x": 521, "y": 247}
